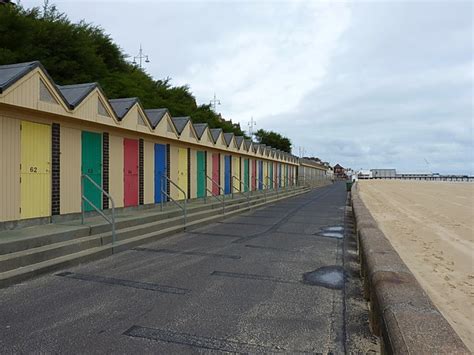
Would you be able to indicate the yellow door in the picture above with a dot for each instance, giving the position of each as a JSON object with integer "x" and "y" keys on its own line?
{"x": 182, "y": 171}
{"x": 236, "y": 173}
{"x": 35, "y": 170}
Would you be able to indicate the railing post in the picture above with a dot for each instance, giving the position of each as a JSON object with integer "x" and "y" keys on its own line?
{"x": 232, "y": 186}
{"x": 82, "y": 199}
{"x": 161, "y": 193}
{"x": 185, "y": 213}
{"x": 113, "y": 224}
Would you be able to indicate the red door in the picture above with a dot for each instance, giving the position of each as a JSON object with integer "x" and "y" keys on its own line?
{"x": 130, "y": 172}
{"x": 254, "y": 172}
{"x": 215, "y": 173}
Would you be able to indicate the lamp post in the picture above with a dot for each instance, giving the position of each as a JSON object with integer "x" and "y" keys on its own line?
{"x": 140, "y": 57}
{"x": 214, "y": 102}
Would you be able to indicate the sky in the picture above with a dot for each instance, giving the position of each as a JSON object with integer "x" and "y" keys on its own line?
{"x": 367, "y": 84}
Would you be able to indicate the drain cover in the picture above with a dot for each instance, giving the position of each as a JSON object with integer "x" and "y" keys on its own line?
{"x": 326, "y": 276}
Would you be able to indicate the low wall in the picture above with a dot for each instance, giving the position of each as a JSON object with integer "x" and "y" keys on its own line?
{"x": 401, "y": 313}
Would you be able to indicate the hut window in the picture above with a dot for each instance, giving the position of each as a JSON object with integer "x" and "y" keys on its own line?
{"x": 45, "y": 94}
{"x": 170, "y": 129}
{"x": 101, "y": 109}
{"x": 141, "y": 120}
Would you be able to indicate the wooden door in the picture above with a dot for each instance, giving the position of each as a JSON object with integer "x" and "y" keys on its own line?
{"x": 130, "y": 176}
{"x": 35, "y": 170}
{"x": 160, "y": 170}
{"x": 92, "y": 167}
{"x": 201, "y": 173}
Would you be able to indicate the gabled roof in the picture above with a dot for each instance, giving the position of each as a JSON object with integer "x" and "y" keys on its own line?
{"x": 122, "y": 106}
{"x": 228, "y": 138}
{"x": 200, "y": 128}
{"x": 215, "y": 132}
{"x": 74, "y": 94}
{"x": 180, "y": 123}
{"x": 239, "y": 140}
{"x": 155, "y": 115}
{"x": 9, "y": 74}
{"x": 248, "y": 143}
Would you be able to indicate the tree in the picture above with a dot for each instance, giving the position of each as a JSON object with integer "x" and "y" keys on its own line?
{"x": 273, "y": 139}
{"x": 75, "y": 53}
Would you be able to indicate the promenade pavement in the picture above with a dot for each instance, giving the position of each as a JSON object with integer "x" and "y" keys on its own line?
{"x": 280, "y": 279}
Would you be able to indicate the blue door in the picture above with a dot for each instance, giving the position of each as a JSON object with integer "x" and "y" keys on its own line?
{"x": 160, "y": 170}
{"x": 260, "y": 175}
{"x": 227, "y": 175}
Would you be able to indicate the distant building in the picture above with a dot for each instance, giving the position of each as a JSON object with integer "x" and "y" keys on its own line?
{"x": 339, "y": 172}
{"x": 383, "y": 173}
{"x": 364, "y": 174}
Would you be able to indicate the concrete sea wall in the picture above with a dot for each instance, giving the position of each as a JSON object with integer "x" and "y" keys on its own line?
{"x": 401, "y": 313}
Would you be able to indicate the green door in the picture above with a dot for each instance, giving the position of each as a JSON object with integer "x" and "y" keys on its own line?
{"x": 246, "y": 175}
{"x": 201, "y": 173}
{"x": 92, "y": 167}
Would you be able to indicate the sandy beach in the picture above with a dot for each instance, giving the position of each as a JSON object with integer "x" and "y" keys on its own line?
{"x": 431, "y": 225}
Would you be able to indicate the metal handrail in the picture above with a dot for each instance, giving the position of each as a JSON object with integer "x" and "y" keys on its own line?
{"x": 240, "y": 189}
{"x": 163, "y": 191}
{"x": 275, "y": 183}
{"x": 265, "y": 187}
{"x": 98, "y": 210}
{"x": 217, "y": 198}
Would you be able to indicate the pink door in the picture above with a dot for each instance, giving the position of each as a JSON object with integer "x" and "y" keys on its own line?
{"x": 130, "y": 172}
{"x": 254, "y": 174}
{"x": 215, "y": 173}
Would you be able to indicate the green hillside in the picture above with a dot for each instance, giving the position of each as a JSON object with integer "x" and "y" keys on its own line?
{"x": 76, "y": 53}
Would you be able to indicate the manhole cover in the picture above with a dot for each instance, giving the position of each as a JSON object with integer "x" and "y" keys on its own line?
{"x": 326, "y": 276}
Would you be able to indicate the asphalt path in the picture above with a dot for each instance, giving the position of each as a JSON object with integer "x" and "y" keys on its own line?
{"x": 279, "y": 279}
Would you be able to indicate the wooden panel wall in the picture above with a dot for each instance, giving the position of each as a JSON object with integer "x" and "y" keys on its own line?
{"x": 149, "y": 172}
{"x": 10, "y": 169}
{"x": 116, "y": 169}
{"x": 70, "y": 173}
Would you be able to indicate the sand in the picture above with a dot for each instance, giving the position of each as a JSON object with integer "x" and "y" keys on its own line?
{"x": 431, "y": 225}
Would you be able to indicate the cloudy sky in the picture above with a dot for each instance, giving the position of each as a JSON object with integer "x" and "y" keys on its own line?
{"x": 367, "y": 84}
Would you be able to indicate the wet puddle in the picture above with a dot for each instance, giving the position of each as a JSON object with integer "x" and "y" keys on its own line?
{"x": 332, "y": 232}
{"x": 327, "y": 276}
{"x": 332, "y": 235}
{"x": 334, "y": 229}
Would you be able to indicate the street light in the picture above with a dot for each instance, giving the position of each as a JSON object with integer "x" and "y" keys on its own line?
{"x": 140, "y": 57}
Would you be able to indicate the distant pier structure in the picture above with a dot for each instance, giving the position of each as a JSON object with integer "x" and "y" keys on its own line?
{"x": 393, "y": 175}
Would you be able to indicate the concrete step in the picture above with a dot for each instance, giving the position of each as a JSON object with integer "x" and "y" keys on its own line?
{"x": 22, "y": 265}
{"x": 38, "y": 254}
{"x": 37, "y": 236}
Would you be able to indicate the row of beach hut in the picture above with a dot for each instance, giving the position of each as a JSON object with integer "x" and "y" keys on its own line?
{"x": 53, "y": 139}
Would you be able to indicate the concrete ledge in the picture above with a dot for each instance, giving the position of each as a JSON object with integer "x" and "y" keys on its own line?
{"x": 401, "y": 312}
